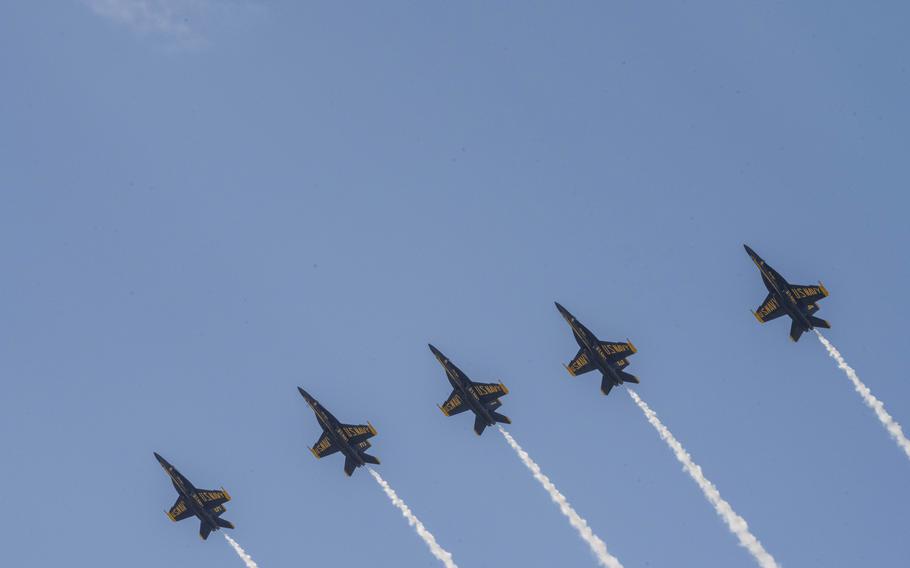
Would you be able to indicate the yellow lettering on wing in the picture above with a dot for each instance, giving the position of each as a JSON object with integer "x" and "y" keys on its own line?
{"x": 768, "y": 307}
{"x": 451, "y": 404}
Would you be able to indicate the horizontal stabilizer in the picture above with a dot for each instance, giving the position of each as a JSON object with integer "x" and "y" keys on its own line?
{"x": 606, "y": 385}
{"x": 349, "y": 466}
{"x": 479, "y": 425}
{"x": 795, "y": 331}
{"x": 223, "y": 523}
{"x": 502, "y": 419}
{"x": 204, "y": 531}
{"x": 819, "y": 322}
{"x": 627, "y": 378}
{"x": 370, "y": 459}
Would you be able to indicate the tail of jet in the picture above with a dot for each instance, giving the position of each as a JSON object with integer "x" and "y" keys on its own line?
{"x": 480, "y": 424}
{"x": 205, "y": 529}
{"x": 819, "y": 322}
{"x": 349, "y": 466}
{"x": 606, "y": 384}
{"x": 627, "y": 378}
{"x": 224, "y": 523}
{"x": 796, "y": 330}
{"x": 501, "y": 418}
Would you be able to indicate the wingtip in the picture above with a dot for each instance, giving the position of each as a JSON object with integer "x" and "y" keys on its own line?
{"x": 757, "y": 316}
{"x": 632, "y": 346}
{"x": 568, "y": 369}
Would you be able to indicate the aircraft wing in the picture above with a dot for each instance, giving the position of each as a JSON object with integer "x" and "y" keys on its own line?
{"x": 454, "y": 404}
{"x": 615, "y": 351}
{"x": 580, "y": 364}
{"x": 357, "y": 433}
{"x": 324, "y": 446}
{"x": 489, "y": 391}
{"x": 769, "y": 309}
{"x": 179, "y": 511}
{"x": 213, "y": 498}
{"x": 806, "y": 295}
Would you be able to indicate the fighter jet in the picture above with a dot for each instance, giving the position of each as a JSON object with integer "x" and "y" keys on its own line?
{"x": 480, "y": 398}
{"x": 798, "y": 302}
{"x": 605, "y": 356}
{"x": 205, "y": 504}
{"x": 349, "y": 439}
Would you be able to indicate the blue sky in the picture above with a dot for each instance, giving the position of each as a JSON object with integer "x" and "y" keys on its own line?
{"x": 206, "y": 204}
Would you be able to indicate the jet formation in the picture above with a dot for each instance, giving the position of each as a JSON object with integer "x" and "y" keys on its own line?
{"x": 796, "y": 301}
{"x": 608, "y": 357}
{"x": 205, "y": 504}
{"x": 480, "y": 398}
{"x": 483, "y": 399}
{"x": 352, "y": 440}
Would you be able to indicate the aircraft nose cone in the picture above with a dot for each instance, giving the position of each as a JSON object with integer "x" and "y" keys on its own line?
{"x": 304, "y": 393}
{"x": 161, "y": 460}
{"x": 748, "y": 250}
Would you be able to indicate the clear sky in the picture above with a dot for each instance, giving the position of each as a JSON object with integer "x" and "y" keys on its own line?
{"x": 206, "y": 204}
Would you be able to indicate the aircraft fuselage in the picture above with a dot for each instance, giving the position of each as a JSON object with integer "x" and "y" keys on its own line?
{"x": 458, "y": 383}
{"x": 589, "y": 342}
{"x": 778, "y": 286}
{"x": 332, "y": 427}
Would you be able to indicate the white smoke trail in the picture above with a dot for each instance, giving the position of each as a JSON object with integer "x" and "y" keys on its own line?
{"x": 875, "y": 404}
{"x": 598, "y": 547}
{"x": 247, "y": 559}
{"x": 439, "y": 552}
{"x": 735, "y": 523}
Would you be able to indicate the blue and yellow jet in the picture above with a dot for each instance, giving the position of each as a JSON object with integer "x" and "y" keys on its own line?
{"x": 608, "y": 357}
{"x": 205, "y": 504}
{"x": 349, "y": 439}
{"x": 480, "y": 398}
{"x": 798, "y": 302}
